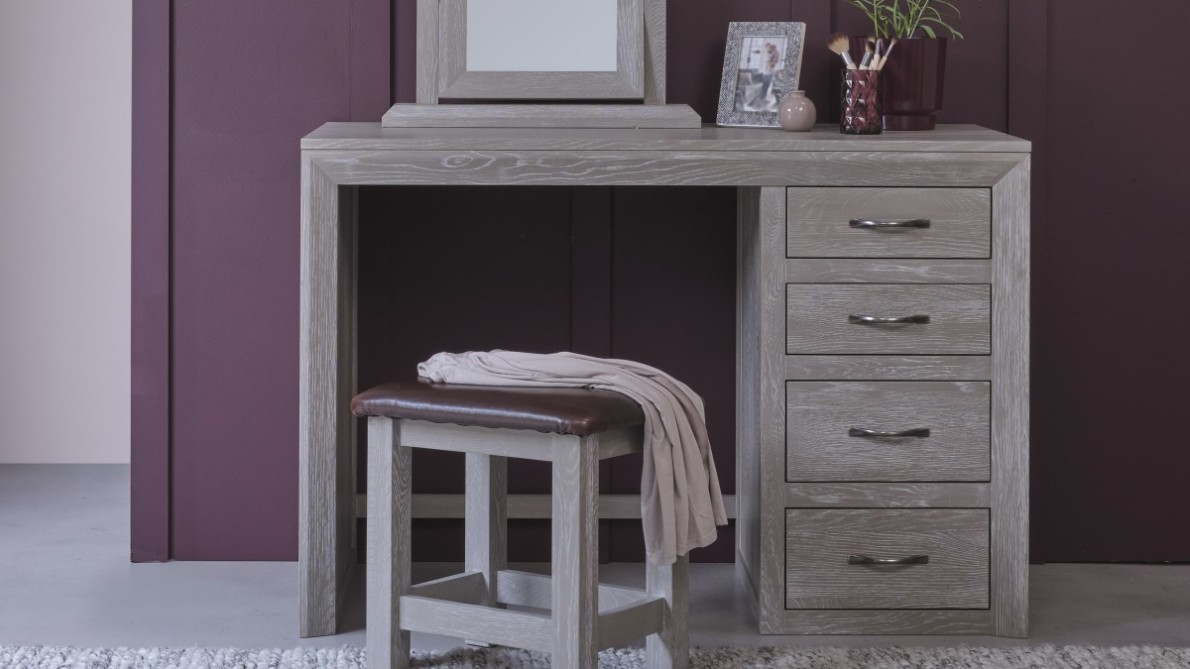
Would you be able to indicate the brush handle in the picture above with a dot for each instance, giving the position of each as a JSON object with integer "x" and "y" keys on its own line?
{"x": 884, "y": 58}
{"x": 847, "y": 59}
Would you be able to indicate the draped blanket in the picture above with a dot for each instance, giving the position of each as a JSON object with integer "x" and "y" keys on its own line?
{"x": 680, "y": 500}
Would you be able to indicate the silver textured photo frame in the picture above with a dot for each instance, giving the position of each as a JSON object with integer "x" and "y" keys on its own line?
{"x": 762, "y": 62}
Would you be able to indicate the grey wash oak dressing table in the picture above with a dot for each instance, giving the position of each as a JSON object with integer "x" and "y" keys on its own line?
{"x": 883, "y": 297}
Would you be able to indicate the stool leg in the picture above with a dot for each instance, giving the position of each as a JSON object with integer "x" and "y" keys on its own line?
{"x": 389, "y": 482}
{"x": 486, "y": 521}
{"x": 671, "y": 648}
{"x": 575, "y": 550}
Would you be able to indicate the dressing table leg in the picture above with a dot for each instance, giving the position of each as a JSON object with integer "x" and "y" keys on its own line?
{"x": 575, "y": 555}
{"x": 669, "y": 649}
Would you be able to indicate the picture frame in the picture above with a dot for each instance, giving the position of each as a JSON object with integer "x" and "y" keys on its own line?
{"x": 762, "y": 62}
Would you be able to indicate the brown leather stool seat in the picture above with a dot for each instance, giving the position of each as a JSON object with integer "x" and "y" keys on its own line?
{"x": 574, "y": 411}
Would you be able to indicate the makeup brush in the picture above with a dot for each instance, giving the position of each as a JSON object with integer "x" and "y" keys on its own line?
{"x": 884, "y": 58}
{"x": 869, "y": 47}
{"x": 839, "y": 44}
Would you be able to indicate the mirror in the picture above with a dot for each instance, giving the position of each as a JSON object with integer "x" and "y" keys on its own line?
{"x": 541, "y": 35}
{"x": 534, "y": 49}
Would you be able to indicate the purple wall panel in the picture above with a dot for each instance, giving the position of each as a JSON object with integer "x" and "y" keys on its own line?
{"x": 1110, "y": 318}
{"x": 150, "y": 280}
{"x": 250, "y": 79}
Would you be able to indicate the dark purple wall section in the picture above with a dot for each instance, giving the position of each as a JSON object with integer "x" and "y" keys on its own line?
{"x": 250, "y": 79}
{"x": 1111, "y": 317}
{"x": 150, "y": 279}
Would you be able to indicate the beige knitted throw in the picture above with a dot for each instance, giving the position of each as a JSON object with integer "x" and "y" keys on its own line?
{"x": 680, "y": 500}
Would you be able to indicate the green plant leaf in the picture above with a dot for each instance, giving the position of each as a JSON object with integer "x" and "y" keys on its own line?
{"x": 928, "y": 31}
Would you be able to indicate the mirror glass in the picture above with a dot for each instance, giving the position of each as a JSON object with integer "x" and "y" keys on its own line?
{"x": 541, "y": 35}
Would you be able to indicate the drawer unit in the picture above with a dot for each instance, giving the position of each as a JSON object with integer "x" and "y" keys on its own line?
{"x": 887, "y": 431}
{"x": 889, "y": 223}
{"x": 882, "y": 404}
{"x": 918, "y": 319}
{"x": 886, "y": 558}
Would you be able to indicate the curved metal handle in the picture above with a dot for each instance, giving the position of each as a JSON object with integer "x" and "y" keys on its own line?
{"x": 887, "y": 225}
{"x": 864, "y": 432}
{"x": 917, "y": 319}
{"x": 912, "y": 559}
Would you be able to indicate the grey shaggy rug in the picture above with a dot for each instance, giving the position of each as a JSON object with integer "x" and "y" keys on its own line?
{"x": 1047, "y": 657}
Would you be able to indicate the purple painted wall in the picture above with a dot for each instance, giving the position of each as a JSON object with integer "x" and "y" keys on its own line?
{"x": 249, "y": 79}
{"x": 150, "y": 280}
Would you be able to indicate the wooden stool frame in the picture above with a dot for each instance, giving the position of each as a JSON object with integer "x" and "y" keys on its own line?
{"x": 585, "y": 616}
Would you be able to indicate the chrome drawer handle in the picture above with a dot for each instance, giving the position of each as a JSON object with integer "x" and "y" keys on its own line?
{"x": 917, "y": 319}
{"x": 887, "y": 225}
{"x": 864, "y": 432}
{"x": 912, "y": 559}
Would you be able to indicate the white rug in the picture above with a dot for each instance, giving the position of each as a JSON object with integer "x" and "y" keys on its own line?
{"x": 1041, "y": 657}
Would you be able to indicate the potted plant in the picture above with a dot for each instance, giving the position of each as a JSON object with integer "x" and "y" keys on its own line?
{"x": 912, "y": 78}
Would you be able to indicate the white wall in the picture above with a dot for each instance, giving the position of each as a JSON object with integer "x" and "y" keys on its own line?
{"x": 65, "y": 135}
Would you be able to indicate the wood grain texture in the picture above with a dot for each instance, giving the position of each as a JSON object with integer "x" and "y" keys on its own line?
{"x": 945, "y": 140}
{"x": 819, "y": 542}
{"x": 654, "y": 51}
{"x": 630, "y": 622}
{"x": 389, "y": 555}
{"x": 524, "y": 444}
{"x": 427, "y": 52}
{"x": 480, "y": 623}
{"x": 525, "y": 507}
{"x": 574, "y": 605}
{"x": 636, "y": 168}
{"x": 770, "y": 253}
{"x": 820, "y": 414}
{"x": 832, "y": 270}
{"x": 747, "y": 403}
{"x": 887, "y": 495}
{"x": 520, "y": 588}
{"x": 888, "y": 368}
{"x": 541, "y": 116}
{"x": 486, "y": 522}
{"x": 1010, "y": 405}
{"x": 670, "y": 647}
{"x": 819, "y": 223}
{"x": 326, "y": 378}
{"x": 456, "y": 81}
{"x": 817, "y": 320}
{"x": 824, "y": 621}
{"x": 466, "y": 588}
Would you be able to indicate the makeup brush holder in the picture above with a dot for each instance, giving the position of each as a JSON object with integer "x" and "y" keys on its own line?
{"x": 861, "y": 103}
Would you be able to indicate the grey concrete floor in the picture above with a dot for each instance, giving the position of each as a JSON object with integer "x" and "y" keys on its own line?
{"x": 65, "y": 579}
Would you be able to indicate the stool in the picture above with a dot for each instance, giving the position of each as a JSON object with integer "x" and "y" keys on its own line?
{"x": 573, "y": 429}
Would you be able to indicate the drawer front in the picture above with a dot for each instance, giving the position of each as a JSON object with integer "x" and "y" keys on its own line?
{"x": 819, "y": 543}
{"x": 819, "y": 319}
{"x": 821, "y": 224}
{"x": 833, "y": 431}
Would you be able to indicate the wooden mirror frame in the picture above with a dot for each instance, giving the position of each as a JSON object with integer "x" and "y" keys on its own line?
{"x": 442, "y": 61}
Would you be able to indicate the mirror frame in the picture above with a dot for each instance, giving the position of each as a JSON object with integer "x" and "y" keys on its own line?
{"x": 442, "y": 61}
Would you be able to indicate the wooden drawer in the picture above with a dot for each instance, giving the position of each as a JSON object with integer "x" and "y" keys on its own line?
{"x": 820, "y": 223}
{"x": 828, "y": 424}
{"x": 819, "y": 543}
{"x": 818, "y": 319}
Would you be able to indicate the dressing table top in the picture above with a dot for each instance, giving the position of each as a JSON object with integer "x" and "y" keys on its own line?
{"x": 372, "y": 137}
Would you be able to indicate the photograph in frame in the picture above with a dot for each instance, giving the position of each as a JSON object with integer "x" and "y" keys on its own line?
{"x": 761, "y": 65}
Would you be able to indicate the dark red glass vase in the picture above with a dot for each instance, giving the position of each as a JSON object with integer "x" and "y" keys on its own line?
{"x": 911, "y": 82}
